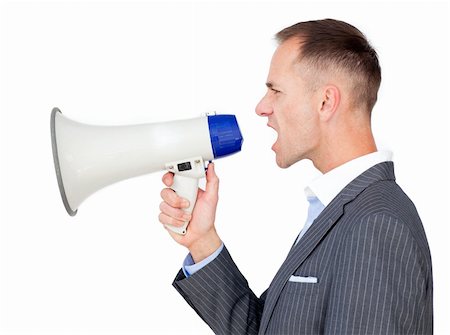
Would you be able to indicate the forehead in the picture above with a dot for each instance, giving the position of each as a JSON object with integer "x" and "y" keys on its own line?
{"x": 285, "y": 58}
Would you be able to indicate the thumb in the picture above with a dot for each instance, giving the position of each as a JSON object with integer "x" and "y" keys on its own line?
{"x": 212, "y": 181}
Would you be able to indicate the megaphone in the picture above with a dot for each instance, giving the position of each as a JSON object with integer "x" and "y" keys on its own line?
{"x": 88, "y": 158}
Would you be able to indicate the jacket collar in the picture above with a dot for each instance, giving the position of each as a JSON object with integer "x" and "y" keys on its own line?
{"x": 328, "y": 185}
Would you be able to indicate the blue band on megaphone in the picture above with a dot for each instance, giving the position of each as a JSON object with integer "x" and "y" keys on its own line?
{"x": 226, "y": 138}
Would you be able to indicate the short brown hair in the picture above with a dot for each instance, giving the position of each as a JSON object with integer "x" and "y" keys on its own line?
{"x": 332, "y": 43}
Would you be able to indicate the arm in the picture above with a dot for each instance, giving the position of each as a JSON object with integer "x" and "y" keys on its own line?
{"x": 381, "y": 281}
{"x": 220, "y": 295}
{"x": 218, "y": 292}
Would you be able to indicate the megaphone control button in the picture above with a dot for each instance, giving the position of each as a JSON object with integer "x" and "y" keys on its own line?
{"x": 184, "y": 166}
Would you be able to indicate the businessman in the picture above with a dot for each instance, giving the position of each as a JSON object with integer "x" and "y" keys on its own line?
{"x": 361, "y": 264}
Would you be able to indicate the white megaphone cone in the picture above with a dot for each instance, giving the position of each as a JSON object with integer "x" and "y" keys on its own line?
{"x": 88, "y": 158}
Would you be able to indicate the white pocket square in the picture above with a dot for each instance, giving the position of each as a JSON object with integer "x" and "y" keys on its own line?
{"x": 299, "y": 279}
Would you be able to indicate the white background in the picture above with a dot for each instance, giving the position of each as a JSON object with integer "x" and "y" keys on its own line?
{"x": 109, "y": 269}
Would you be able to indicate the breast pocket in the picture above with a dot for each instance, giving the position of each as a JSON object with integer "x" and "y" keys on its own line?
{"x": 299, "y": 307}
{"x": 303, "y": 285}
{"x": 303, "y": 279}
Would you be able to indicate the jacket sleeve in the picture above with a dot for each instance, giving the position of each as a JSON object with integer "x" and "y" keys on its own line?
{"x": 383, "y": 281}
{"x": 221, "y": 297}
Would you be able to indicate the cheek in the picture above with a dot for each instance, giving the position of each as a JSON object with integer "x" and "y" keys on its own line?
{"x": 301, "y": 124}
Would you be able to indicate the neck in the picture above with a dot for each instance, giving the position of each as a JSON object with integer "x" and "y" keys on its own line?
{"x": 338, "y": 149}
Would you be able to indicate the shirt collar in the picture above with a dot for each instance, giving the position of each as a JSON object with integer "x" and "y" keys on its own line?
{"x": 327, "y": 186}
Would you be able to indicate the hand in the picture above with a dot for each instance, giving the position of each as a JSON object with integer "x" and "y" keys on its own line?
{"x": 201, "y": 238}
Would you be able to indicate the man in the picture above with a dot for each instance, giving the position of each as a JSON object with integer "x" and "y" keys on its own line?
{"x": 361, "y": 264}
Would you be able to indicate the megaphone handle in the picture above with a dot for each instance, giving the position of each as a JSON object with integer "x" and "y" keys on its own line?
{"x": 186, "y": 187}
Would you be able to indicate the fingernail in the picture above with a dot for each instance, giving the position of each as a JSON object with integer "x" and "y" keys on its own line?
{"x": 185, "y": 203}
{"x": 186, "y": 216}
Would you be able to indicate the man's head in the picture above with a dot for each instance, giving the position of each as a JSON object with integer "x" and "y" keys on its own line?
{"x": 324, "y": 77}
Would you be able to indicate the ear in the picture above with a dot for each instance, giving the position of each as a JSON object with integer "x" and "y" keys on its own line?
{"x": 331, "y": 97}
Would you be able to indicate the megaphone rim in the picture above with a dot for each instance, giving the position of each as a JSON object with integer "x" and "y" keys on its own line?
{"x": 56, "y": 162}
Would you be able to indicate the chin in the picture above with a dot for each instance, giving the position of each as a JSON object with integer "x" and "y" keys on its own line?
{"x": 282, "y": 163}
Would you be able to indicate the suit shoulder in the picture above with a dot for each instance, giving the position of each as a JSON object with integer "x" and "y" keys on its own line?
{"x": 387, "y": 197}
{"x": 386, "y": 201}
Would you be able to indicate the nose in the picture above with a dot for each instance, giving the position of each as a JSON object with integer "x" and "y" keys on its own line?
{"x": 264, "y": 107}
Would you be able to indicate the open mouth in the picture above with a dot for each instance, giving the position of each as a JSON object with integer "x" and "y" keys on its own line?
{"x": 276, "y": 141}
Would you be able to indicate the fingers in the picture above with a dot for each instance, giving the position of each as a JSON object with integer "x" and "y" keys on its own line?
{"x": 169, "y": 196}
{"x": 175, "y": 213}
{"x": 168, "y": 179}
{"x": 212, "y": 181}
{"x": 172, "y": 212}
{"x": 168, "y": 220}
{"x": 173, "y": 206}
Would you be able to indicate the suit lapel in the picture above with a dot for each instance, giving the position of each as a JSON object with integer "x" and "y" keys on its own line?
{"x": 322, "y": 225}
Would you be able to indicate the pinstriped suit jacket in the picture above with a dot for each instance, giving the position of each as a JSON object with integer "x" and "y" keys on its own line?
{"x": 370, "y": 254}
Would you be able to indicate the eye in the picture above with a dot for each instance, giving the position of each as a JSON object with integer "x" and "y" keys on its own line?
{"x": 275, "y": 91}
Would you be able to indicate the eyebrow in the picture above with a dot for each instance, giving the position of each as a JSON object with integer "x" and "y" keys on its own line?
{"x": 272, "y": 86}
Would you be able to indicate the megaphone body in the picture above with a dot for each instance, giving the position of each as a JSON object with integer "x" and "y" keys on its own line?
{"x": 88, "y": 158}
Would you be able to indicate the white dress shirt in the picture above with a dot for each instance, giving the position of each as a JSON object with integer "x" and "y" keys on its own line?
{"x": 327, "y": 186}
